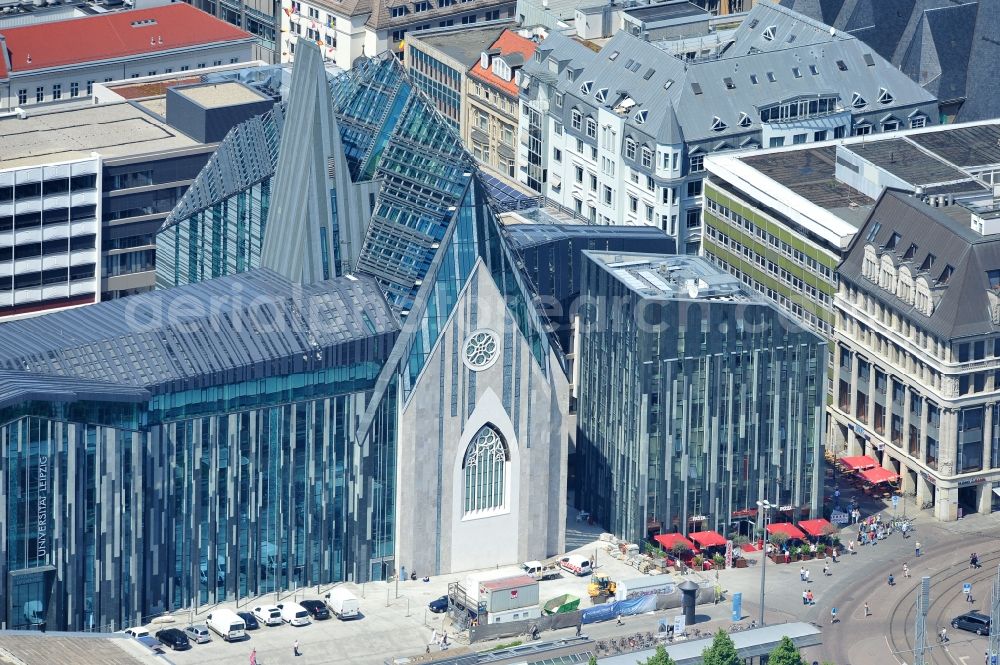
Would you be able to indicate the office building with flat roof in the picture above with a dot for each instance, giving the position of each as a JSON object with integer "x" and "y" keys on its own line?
{"x": 917, "y": 374}
{"x": 782, "y": 220}
{"x": 629, "y": 127}
{"x": 83, "y": 190}
{"x": 696, "y": 399}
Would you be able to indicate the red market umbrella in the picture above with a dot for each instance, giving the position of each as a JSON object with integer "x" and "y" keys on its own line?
{"x": 668, "y": 540}
{"x": 707, "y": 538}
{"x": 817, "y": 528}
{"x": 879, "y": 475}
{"x": 858, "y": 463}
{"x": 786, "y": 528}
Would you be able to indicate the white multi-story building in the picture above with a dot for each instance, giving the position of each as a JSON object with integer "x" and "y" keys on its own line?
{"x": 620, "y": 136}
{"x": 50, "y": 235}
{"x": 60, "y": 61}
{"x": 346, "y": 31}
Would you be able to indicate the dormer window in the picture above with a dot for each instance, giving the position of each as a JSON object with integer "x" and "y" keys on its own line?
{"x": 398, "y": 12}
{"x": 858, "y": 102}
{"x": 717, "y": 124}
{"x": 640, "y": 117}
{"x": 946, "y": 274}
{"x": 586, "y": 87}
{"x": 884, "y": 97}
{"x": 744, "y": 120}
{"x": 893, "y": 241}
{"x": 910, "y": 252}
{"x": 928, "y": 262}
{"x": 601, "y": 95}
{"x": 502, "y": 70}
{"x": 769, "y": 33}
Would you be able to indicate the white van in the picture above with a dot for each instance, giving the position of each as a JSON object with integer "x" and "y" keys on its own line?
{"x": 227, "y": 624}
{"x": 294, "y": 614}
{"x": 343, "y": 603}
{"x": 576, "y": 564}
{"x": 269, "y": 615}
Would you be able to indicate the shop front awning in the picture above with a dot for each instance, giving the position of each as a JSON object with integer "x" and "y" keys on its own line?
{"x": 858, "y": 463}
{"x": 707, "y": 538}
{"x": 879, "y": 475}
{"x": 816, "y": 528}
{"x": 668, "y": 540}
{"x": 786, "y": 528}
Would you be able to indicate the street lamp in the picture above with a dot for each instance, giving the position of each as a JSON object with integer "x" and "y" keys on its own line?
{"x": 764, "y": 506}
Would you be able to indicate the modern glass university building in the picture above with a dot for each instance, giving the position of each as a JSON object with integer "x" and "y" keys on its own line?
{"x": 180, "y": 447}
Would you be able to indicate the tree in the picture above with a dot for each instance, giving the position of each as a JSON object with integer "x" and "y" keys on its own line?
{"x": 722, "y": 651}
{"x": 785, "y": 653}
{"x": 778, "y": 539}
{"x": 661, "y": 657}
{"x": 593, "y": 660}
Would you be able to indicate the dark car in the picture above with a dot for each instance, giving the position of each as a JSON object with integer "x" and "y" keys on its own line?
{"x": 317, "y": 608}
{"x": 249, "y": 619}
{"x": 174, "y": 638}
{"x": 439, "y": 605}
{"x": 974, "y": 622}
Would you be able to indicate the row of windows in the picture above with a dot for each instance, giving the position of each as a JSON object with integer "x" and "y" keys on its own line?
{"x": 131, "y": 262}
{"x": 47, "y": 248}
{"x": 725, "y": 214}
{"x": 31, "y": 220}
{"x": 27, "y": 190}
{"x": 47, "y": 277}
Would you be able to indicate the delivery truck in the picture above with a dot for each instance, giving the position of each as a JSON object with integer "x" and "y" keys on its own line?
{"x": 541, "y": 570}
{"x": 343, "y": 603}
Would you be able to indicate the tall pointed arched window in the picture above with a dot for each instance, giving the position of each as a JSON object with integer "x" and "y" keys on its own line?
{"x": 485, "y": 467}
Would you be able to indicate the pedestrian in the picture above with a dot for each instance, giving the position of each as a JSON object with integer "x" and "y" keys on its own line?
{"x": 916, "y": 548}
{"x": 253, "y": 656}
{"x": 892, "y": 580}
{"x": 805, "y": 597}
{"x": 943, "y": 635}
{"x": 807, "y": 577}
{"x": 810, "y": 598}
{"x": 867, "y": 612}
{"x": 620, "y": 622}
{"x": 295, "y": 648}
{"x": 833, "y": 615}
{"x": 968, "y": 596}
{"x": 835, "y": 555}
{"x": 904, "y": 529}
{"x": 579, "y": 629}
{"x": 826, "y": 568}
{"x": 802, "y": 573}
{"x": 906, "y": 570}
{"x": 850, "y": 548}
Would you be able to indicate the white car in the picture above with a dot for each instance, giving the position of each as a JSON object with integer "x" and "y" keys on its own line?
{"x": 137, "y": 632}
{"x": 268, "y": 615}
{"x": 294, "y": 614}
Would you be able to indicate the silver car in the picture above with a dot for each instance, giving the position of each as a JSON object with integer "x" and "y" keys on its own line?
{"x": 198, "y": 633}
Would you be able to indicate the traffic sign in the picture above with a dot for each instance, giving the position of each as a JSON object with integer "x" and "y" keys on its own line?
{"x": 679, "y": 624}
{"x": 967, "y": 588}
{"x": 895, "y": 500}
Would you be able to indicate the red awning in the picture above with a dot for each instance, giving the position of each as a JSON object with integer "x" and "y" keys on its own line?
{"x": 879, "y": 475}
{"x": 786, "y": 528}
{"x": 858, "y": 463}
{"x": 707, "y": 538}
{"x": 668, "y": 540}
{"x": 815, "y": 528}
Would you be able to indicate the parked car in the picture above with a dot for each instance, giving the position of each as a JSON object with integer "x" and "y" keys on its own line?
{"x": 343, "y": 604}
{"x": 316, "y": 608}
{"x": 174, "y": 638}
{"x": 294, "y": 614}
{"x": 137, "y": 632}
{"x": 227, "y": 624}
{"x": 438, "y": 605}
{"x": 269, "y": 615}
{"x": 974, "y": 622}
{"x": 249, "y": 619}
{"x": 198, "y": 633}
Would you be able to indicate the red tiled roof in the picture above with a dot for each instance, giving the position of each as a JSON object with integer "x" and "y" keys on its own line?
{"x": 113, "y": 35}
{"x": 509, "y": 43}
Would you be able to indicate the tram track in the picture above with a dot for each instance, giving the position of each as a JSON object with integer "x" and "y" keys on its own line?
{"x": 946, "y": 583}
